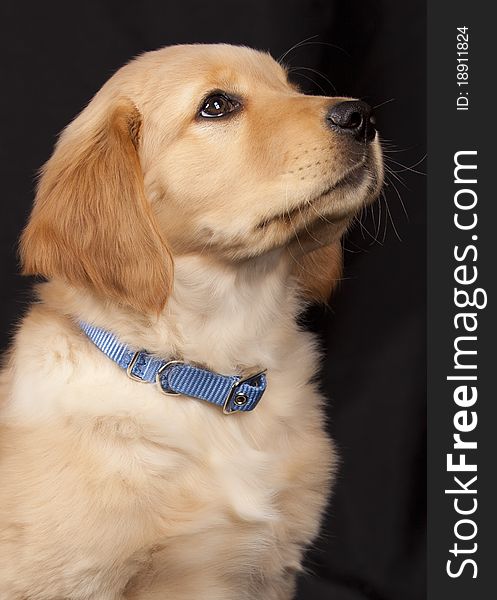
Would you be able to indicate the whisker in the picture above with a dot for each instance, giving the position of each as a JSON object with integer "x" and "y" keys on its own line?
{"x": 295, "y": 231}
{"x": 389, "y": 171}
{"x": 287, "y": 212}
{"x": 383, "y": 197}
{"x": 409, "y": 168}
{"x": 296, "y": 69}
{"x": 377, "y": 232}
{"x": 391, "y": 220}
{"x": 312, "y": 42}
{"x": 313, "y": 81}
{"x": 364, "y": 229}
{"x": 295, "y": 46}
{"x": 320, "y": 216}
{"x": 392, "y": 147}
{"x": 383, "y": 103}
{"x": 373, "y": 218}
{"x": 305, "y": 226}
{"x": 400, "y": 199}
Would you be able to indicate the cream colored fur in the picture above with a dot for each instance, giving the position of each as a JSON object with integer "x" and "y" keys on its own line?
{"x": 111, "y": 490}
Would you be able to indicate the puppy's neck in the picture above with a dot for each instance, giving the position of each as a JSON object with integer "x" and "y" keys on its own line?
{"x": 232, "y": 311}
{"x": 222, "y": 315}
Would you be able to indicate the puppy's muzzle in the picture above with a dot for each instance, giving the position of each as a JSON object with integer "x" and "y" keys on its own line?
{"x": 353, "y": 118}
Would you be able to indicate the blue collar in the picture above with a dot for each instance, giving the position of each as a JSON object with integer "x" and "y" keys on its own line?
{"x": 232, "y": 392}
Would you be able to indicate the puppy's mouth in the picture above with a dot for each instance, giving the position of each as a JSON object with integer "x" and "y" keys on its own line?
{"x": 350, "y": 181}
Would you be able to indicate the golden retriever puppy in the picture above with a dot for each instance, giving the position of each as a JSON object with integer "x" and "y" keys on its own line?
{"x": 184, "y": 220}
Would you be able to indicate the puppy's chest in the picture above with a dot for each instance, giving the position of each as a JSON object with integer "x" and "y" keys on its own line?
{"x": 232, "y": 495}
{"x": 207, "y": 477}
{"x": 219, "y": 474}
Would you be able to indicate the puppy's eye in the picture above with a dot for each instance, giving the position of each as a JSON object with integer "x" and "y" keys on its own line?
{"x": 218, "y": 105}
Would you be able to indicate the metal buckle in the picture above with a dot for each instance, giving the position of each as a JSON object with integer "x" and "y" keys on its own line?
{"x": 233, "y": 389}
{"x": 161, "y": 370}
{"x": 129, "y": 370}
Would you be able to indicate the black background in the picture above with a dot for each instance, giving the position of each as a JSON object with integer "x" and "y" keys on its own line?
{"x": 56, "y": 55}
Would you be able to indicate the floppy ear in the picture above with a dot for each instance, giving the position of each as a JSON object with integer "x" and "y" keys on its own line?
{"x": 91, "y": 223}
{"x": 319, "y": 271}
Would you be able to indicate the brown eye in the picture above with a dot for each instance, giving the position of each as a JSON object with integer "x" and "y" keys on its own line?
{"x": 218, "y": 105}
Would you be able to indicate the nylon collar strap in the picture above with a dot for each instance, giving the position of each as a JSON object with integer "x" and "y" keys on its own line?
{"x": 233, "y": 393}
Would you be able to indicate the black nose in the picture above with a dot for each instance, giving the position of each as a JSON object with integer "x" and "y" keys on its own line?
{"x": 353, "y": 118}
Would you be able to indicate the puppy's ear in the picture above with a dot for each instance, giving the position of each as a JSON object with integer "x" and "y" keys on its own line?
{"x": 91, "y": 223}
{"x": 319, "y": 271}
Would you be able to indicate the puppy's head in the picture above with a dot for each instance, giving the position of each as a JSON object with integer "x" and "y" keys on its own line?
{"x": 200, "y": 149}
